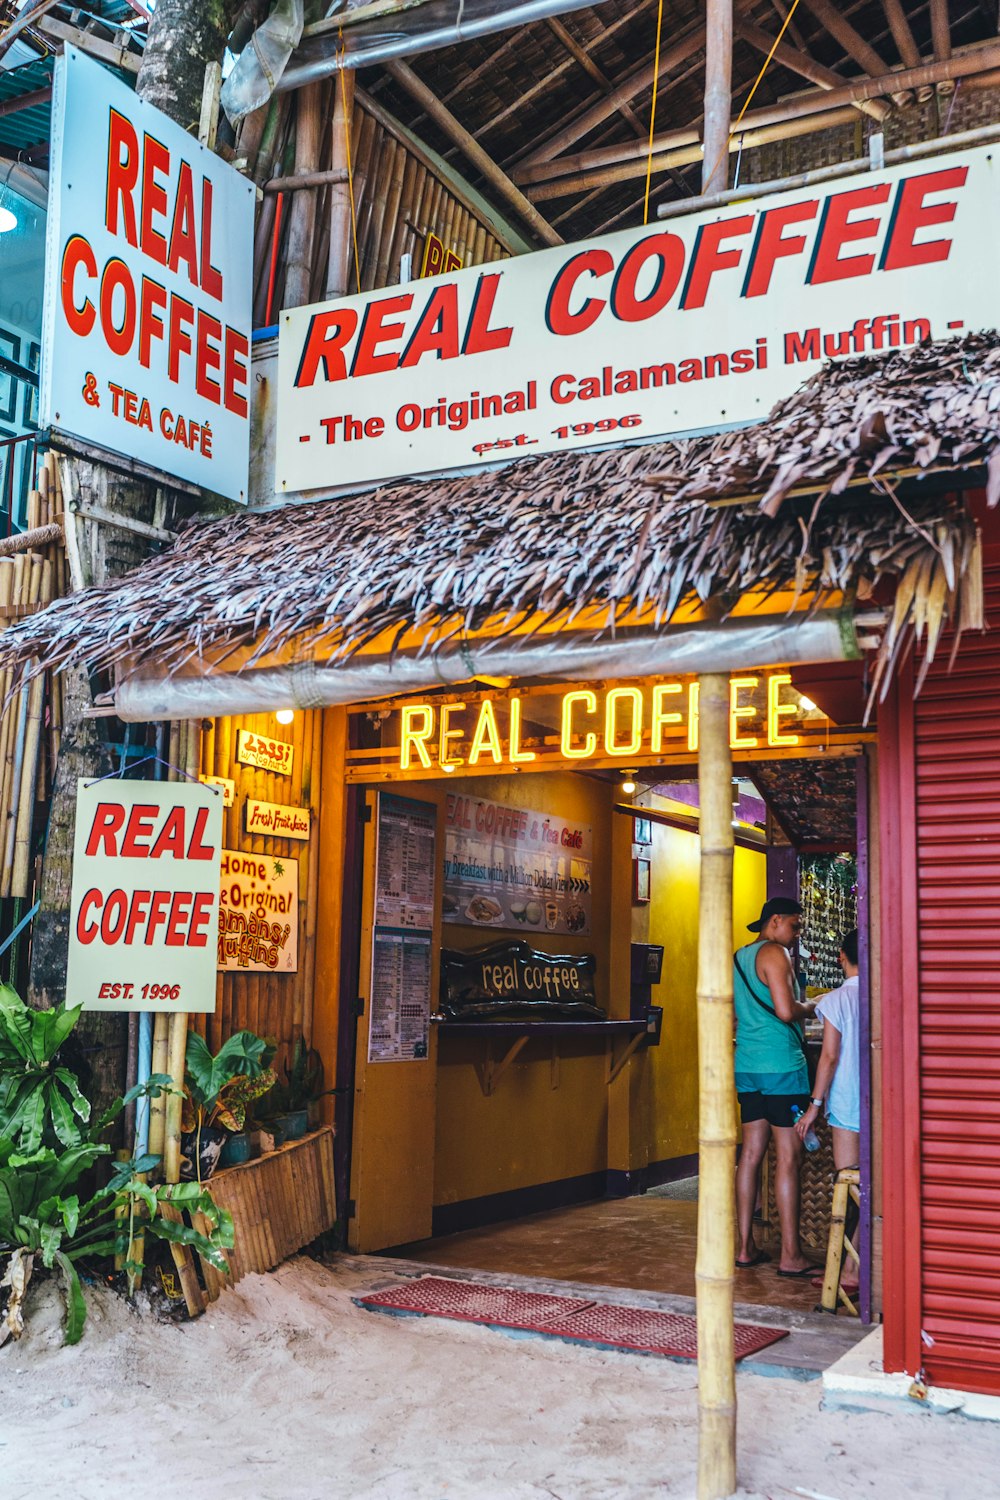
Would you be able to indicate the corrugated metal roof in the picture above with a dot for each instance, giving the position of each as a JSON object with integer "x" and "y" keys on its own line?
{"x": 27, "y": 127}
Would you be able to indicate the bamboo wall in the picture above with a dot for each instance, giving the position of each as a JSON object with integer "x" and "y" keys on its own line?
{"x": 279, "y": 1006}
{"x": 400, "y": 197}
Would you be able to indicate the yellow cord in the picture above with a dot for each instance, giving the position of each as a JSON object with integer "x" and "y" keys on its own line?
{"x": 350, "y": 171}
{"x": 652, "y": 112}
{"x": 764, "y": 67}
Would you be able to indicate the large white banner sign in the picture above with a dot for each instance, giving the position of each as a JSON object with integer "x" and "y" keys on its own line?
{"x": 148, "y": 271}
{"x": 701, "y": 322}
{"x": 144, "y": 910}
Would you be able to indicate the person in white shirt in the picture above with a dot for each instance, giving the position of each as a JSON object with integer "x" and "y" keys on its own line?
{"x": 838, "y": 1073}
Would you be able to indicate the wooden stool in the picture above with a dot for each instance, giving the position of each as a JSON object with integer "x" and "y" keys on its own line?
{"x": 846, "y": 1187}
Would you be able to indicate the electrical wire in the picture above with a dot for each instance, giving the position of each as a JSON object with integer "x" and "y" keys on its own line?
{"x": 350, "y": 169}
{"x": 652, "y": 112}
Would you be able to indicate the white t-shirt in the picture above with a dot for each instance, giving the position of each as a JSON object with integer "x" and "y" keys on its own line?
{"x": 840, "y": 1007}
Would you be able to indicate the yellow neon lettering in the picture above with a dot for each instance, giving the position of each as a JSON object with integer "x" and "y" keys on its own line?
{"x": 777, "y": 711}
{"x": 738, "y": 711}
{"x": 447, "y": 733}
{"x": 632, "y": 695}
{"x": 517, "y": 755}
{"x": 589, "y": 701}
{"x": 414, "y": 737}
{"x": 660, "y": 716}
{"x": 487, "y": 735}
{"x": 693, "y": 715}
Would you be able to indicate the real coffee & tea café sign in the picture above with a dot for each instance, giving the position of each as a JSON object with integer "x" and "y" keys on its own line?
{"x": 484, "y": 732}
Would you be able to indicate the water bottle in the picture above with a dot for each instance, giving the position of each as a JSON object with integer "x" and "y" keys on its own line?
{"x": 811, "y": 1141}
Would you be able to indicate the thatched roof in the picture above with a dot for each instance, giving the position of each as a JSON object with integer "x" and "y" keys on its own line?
{"x": 619, "y": 530}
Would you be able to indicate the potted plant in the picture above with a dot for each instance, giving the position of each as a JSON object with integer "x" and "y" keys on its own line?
{"x": 217, "y": 1092}
{"x": 294, "y": 1102}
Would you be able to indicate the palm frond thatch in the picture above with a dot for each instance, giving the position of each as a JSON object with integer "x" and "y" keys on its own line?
{"x": 619, "y": 530}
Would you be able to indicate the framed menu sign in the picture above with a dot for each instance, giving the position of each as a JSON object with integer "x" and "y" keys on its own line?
{"x": 402, "y": 941}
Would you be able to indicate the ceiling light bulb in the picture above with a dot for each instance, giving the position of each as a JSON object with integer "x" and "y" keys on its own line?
{"x": 628, "y": 784}
{"x": 285, "y": 715}
{"x": 806, "y": 703}
{"x": 8, "y": 220}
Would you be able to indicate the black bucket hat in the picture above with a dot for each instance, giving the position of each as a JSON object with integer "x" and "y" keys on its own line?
{"x": 778, "y": 906}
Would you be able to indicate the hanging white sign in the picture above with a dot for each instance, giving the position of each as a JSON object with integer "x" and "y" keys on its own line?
{"x": 701, "y": 322}
{"x": 148, "y": 276}
{"x": 144, "y": 909}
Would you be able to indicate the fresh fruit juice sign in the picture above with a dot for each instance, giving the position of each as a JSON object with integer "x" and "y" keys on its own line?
{"x": 144, "y": 910}
{"x": 146, "y": 324}
{"x": 515, "y": 869}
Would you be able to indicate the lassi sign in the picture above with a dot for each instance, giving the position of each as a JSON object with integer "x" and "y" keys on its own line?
{"x": 628, "y": 722}
{"x": 146, "y": 324}
{"x": 704, "y": 321}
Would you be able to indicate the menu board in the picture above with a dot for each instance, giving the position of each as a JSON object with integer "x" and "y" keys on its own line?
{"x": 515, "y": 868}
{"x": 406, "y": 834}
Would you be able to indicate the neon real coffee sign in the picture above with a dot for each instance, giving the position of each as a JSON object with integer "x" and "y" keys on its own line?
{"x": 628, "y": 722}
{"x": 146, "y": 325}
{"x": 703, "y": 322}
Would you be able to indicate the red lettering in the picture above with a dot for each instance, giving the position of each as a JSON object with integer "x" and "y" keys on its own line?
{"x": 123, "y": 174}
{"x": 141, "y": 822}
{"x": 170, "y": 839}
{"x": 77, "y": 253}
{"x": 211, "y": 278}
{"x": 208, "y": 357}
{"x": 480, "y": 338}
{"x": 770, "y": 246}
{"x": 668, "y": 251}
{"x": 196, "y": 848}
{"x": 182, "y": 230}
{"x": 113, "y": 918}
{"x": 558, "y": 317}
{"x": 910, "y": 213}
{"x": 118, "y": 339}
{"x": 84, "y": 933}
{"x": 237, "y": 350}
{"x": 136, "y": 913}
{"x": 377, "y": 328}
{"x": 181, "y": 320}
{"x": 709, "y": 257}
{"x": 108, "y": 820}
{"x": 437, "y": 328}
{"x": 155, "y": 158}
{"x": 325, "y": 340}
{"x": 152, "y": 301}
{"x": 837, "y": 230}
{"x": 179, "y": 909}
{"x": 201, "y": 915}
{"x": 157, "y": 914}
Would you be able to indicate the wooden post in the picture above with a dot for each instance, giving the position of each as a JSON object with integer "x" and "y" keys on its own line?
{"x": 716, "y": 1099}
{"x": 302, "y": 223}
{"x": 717, "y": 1103}
{"x": 341, "y": 254}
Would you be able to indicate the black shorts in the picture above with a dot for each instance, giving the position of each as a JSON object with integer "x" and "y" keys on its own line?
{"x": 776, "y": 1109}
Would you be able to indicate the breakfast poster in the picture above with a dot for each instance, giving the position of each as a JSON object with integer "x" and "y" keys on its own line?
{"x": 515, "y": 869}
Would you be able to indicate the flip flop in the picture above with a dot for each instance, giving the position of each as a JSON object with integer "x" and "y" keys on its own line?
{"x": 797, "y": 1275}
{"x": 758, "y": 1260}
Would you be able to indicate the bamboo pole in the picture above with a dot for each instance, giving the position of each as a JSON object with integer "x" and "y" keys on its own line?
{"x": 29, "y": 768}
{"x": 341, "y": 250}
{"x": 302, "y": 221}
{"x": 802, "y": 63}
{"x": 716, "y": 1105}
{"x": 161, "y": 1058}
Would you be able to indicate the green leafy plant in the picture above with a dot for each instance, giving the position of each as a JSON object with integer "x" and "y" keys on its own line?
{"x": 218, "y": 1089}
{"x": 303, "y": 1081}
{"x": 40, "y": 1101}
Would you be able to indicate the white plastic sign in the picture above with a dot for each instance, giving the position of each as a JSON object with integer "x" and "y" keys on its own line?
{"x": 700, "y": 322}
{"x": 144, "y": 910}
{"x": 148, "y": 273}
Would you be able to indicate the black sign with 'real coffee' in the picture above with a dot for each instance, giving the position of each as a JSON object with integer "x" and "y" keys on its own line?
{"x": 514, "y": 979}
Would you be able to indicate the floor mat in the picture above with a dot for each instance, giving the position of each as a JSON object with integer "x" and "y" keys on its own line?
{"x": 640, "y": 1329}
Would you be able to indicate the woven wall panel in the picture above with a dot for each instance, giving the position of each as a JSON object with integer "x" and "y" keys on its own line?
{"x": 279, "y": 1202}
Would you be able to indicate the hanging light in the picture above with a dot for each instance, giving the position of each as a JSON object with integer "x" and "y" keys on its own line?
{"x": 285, "y": 715}
{"x": 629, "y": 783}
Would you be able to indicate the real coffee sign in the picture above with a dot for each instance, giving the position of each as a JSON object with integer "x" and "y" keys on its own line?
{"x": 144, "y": 910}
{"x": 146, "y": 324}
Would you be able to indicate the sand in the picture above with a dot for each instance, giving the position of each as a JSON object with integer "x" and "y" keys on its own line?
{"x": 285, "y": 1390}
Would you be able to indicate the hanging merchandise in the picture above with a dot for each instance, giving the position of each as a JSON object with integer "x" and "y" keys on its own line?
{"x": 828, "y": 891}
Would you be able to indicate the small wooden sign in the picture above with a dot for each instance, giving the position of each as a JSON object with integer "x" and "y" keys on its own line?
{"x": 513, "y": 977}
{"x": 267, "y": 754}
{"x": 275, "y": 821}
{"x": 226, "y": 787}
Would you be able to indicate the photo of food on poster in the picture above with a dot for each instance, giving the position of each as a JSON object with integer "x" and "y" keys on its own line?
{"x": 514, "y": 868}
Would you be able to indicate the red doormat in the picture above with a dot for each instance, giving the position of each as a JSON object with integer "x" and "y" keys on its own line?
{"x": 641, "y": 1329}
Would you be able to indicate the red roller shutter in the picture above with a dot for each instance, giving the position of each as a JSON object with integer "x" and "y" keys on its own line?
{"x": 957, "y": 792}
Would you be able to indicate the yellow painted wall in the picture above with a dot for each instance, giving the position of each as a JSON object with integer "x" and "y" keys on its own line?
{"x": 546, "y": 1121}
{"x": 667, "y": 1106}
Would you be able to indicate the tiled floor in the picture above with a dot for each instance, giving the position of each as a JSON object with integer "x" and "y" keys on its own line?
{"x": 645, "y": 1243}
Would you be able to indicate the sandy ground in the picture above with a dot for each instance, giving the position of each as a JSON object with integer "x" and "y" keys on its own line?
{"x": 287, "y": 1391}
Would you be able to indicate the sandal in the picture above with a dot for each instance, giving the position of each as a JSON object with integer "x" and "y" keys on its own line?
{"x": 760, "y": 1259}
{"x": 797, "y": 1275}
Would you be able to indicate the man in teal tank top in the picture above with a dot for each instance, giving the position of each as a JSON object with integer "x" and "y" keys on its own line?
{"x": 771, "y": 1078}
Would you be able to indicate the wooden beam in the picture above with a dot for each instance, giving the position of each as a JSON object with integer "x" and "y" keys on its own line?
{"x": 340, "y": 257}
{"x": 853, "y": 43}
{"x": 941, "y": 37}
{"x": 95, "y": 46}
{"x": 901, "y": 34}
{"x": 25, "y": 101}
{"x": 781, "y": 11}
{"x": 803, "y": 64}
{"x": 594, "y": 72}
{"x": 471, "y": 149}
{"x": 302, "y": 223}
